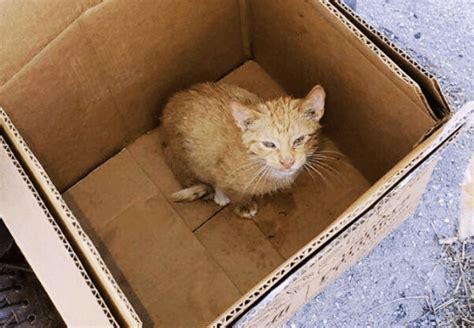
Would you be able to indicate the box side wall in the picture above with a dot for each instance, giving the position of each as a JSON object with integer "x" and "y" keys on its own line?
{"x": 46, "y": 249}
{"x": 67, "y": 224}
{"x": 425, "y": 80}
{"x": 368, "y": 96}
{"x": 26, "y": 28}
{"x": 344, "y": 251}
{"x": 98, "y": 81}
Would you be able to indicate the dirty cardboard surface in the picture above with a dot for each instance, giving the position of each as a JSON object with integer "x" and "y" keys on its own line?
{"x": 291, "y": 219}
{"x": 240, "y": 248}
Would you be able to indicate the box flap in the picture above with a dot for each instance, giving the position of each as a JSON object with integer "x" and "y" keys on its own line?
{"x": 46, "y": 249}
{"x": 76, "y": 237}
{"x": 83, "y": 79}
{"x": 436, "y": 102}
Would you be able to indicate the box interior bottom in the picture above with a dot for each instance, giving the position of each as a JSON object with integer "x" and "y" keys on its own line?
{"x": 183, "y": 264}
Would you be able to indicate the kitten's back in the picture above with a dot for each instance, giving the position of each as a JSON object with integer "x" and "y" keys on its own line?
{"x": 198, "y": 130}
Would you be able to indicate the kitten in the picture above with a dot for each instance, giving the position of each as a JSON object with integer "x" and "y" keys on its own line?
{"x": 225, "y": 143}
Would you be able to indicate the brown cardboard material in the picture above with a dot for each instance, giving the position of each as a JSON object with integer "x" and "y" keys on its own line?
{"x": 165, "y": 266}
{"x": 240, "y": 248}
{"x": 423, "y": 78}
{"x": 253, "y": 77}
{"x": 156, "y": 258}
{"x": 147, "y": 66}
{"x": 26, "y": 29}
{"x": 91, "y": 83}
{"x": 98, "y": 94}
{"x": 62, "y": 102}
{"x": 147, "y": 152}
{"x": 61, "y": 274}
{"x": 110, "y": 190}
{"x": 291, "y": 219}
{"x": 320, "y": 271}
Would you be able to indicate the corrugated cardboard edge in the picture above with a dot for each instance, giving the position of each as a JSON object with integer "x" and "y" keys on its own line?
{"x": 418, "y": 93}
{"x": 85, "y": 300}
{"x": 367, "y": 200}
{"x": 427, "y": 79}
{"x": 87, "y": 248}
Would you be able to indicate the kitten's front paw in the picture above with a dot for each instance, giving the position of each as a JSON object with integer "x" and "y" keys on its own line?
{"x": 220, "y": 198}
{"x": 247, "y": 211}
{"x": 209, "y": 196}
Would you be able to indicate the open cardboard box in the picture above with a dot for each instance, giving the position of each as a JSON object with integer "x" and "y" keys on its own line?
{"x": 85, "y": 89}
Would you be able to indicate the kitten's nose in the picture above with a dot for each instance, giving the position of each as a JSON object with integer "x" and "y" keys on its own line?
{"x": 288, "y": 163}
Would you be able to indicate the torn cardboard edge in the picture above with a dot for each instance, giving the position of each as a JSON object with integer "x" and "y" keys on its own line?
{"x": 435, "y": 99}
{"x": 80, "y": 242}
{"x": 440, "y": 137}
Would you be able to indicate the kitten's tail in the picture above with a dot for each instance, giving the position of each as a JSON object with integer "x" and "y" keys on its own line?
{"x": 191, "y": 193}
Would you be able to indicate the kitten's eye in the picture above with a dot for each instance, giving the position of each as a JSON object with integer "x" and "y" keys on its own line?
{"x": 268, "y": 144}
{"x": 298, "y": 141}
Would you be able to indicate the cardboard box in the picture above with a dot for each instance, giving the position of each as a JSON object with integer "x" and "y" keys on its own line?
{"x": 85, "y": 89}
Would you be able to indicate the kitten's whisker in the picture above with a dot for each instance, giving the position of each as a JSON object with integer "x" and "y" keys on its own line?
{"x": 309, "y": 172}
{"x": 326, "y": 166}
{"x": 243, "y": 169}
{"x": 329, "y": 152}
{"x": 323, "y": 179}
{"x": 248, "y": 165}
{"x": 261, "y": 178}
{"x": 331, "y": 158}
{"x": 330, "y": 169}
{"x": 253, "y": 178}
{"x": 315, "y": 170}
{"x": 238, "y": 172}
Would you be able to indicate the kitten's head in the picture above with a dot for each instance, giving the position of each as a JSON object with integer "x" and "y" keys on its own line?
{"x": 282, "y": 132}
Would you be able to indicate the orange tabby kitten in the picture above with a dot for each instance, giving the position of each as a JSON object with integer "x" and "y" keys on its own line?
{"x": 225, "y": 143}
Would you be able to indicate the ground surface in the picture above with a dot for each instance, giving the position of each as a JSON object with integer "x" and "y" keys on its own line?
{"x": 411, "y": 279}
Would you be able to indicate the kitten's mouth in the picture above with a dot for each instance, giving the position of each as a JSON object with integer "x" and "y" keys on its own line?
{"x": 286, "y": 172}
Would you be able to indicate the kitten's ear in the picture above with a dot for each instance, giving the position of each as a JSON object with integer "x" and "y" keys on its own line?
{"x": 313, "y": 103}
{"x": 243, "y": 116}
